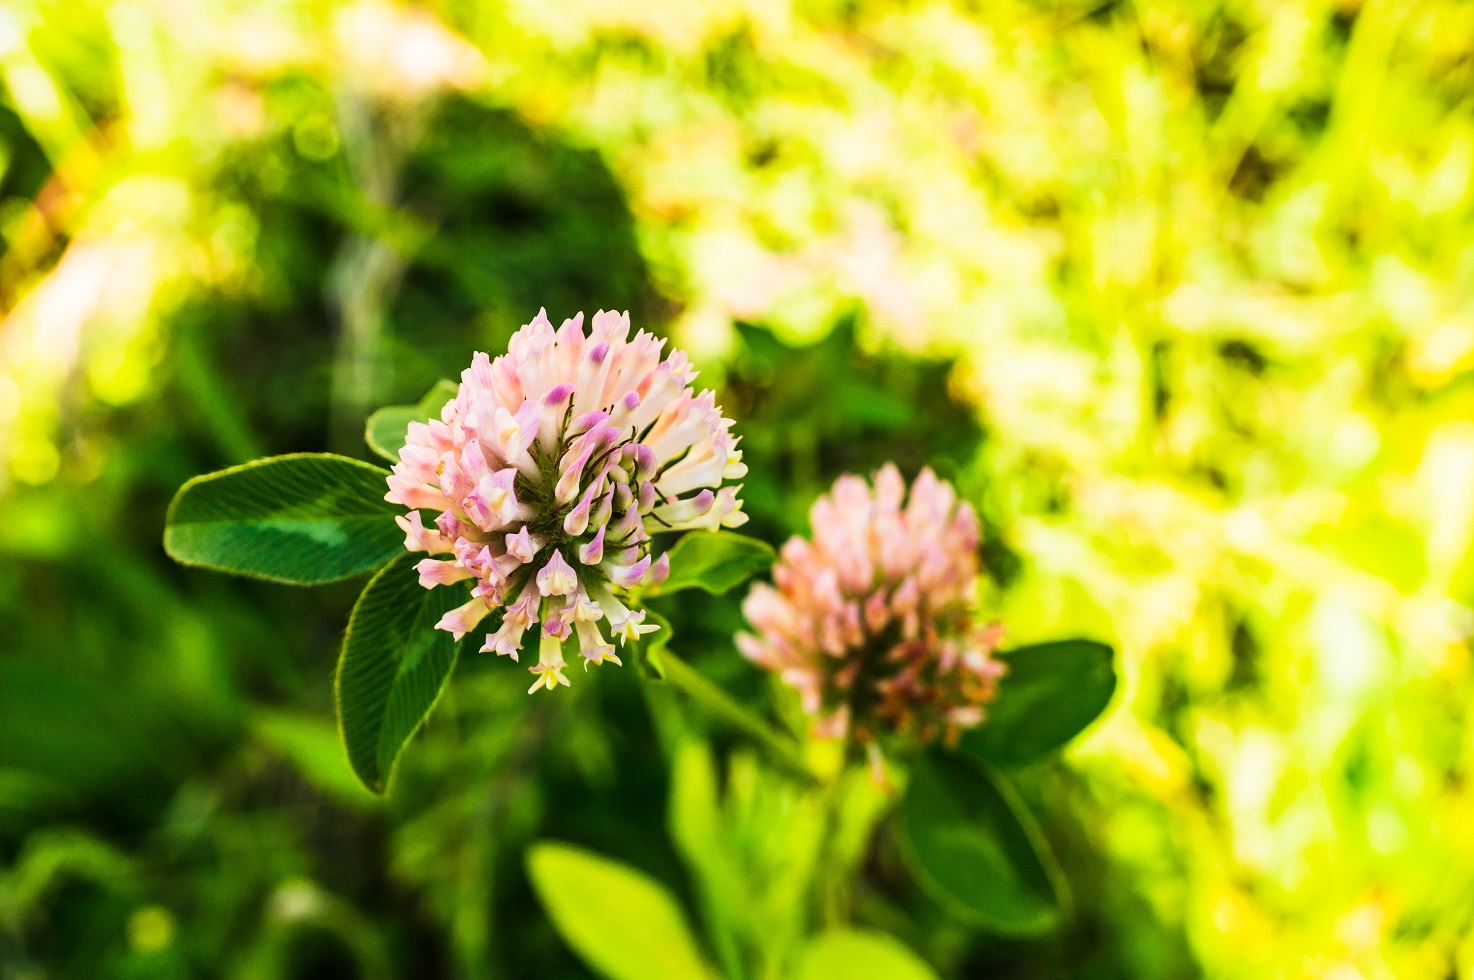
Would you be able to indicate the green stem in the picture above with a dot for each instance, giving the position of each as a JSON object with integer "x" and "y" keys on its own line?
{"x": 718, "y": 703}
{"x": 832, "y": 872}
{"x": 217, "y": 406}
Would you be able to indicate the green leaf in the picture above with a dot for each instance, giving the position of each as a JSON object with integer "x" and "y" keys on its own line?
{"x": 977, "y": 850}
{"x": 624, "y": 925}
{"x": 716, "y": 561}
{"x": 394, "y": 665}
{"x": 850, "y": 954}
{"x": 387, "y": 428}
{"x": 1051, "y": 692}
{"x": 694, "y": 821}
{"x": 302, "y": 519}
{"x": 312, "y": 744}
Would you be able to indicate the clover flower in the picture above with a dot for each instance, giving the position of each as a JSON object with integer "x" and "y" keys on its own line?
{"x": 872, "y": 620}
{"x": 549, "y": 471}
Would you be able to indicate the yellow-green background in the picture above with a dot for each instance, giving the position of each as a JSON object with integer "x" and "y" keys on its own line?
{"x": 1180, "y": 293}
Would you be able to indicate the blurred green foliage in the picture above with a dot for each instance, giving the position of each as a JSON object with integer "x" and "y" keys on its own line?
{"x": 1180, "y": 293}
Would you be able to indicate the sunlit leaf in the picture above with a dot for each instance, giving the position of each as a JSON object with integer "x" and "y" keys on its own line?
{"x": 302, "y": 519}
{"x": 624, "y": 925}
{"x": 977, "y": 849}
{"x": 386, "y": 429}
{"x": 715, "y": 561}
{"x": 694, "y": 821}
{"x": 1051, "y": 692}
{"x": 313, "y": 746}
{"x": 849, "y": 954}
{"x": 393, "y": 667}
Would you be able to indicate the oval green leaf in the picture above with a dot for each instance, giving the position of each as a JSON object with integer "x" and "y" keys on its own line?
{"x": 1051, "y": 693}
{"x": 623, "y": 924}
{"x": 393, "y": 667}
{"x": 850, "y": 954}
{"x": 302, "y": 519}
{"x": 716, "y": 561}
{"x": 386, "y": 429}
{"x": 977, "y": 850}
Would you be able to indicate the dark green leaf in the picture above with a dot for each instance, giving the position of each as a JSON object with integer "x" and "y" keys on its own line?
{"x": 976, "y": 848}
{"x": 387, "y": 428}
{"x": 394, "y": 665}
{"x": 715, "y": 561}
{"x": 302, "y": 519}
{"x": 624, "y": 925}
{"x": 1051, "y": 692}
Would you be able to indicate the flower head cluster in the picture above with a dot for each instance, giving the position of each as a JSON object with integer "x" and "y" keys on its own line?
{"x": 872, "y": 620}
{"x": 546, "y": 476}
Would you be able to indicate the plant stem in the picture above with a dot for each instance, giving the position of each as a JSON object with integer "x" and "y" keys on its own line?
{"x": 832, "y": 872}
{"x": 781, "y": 749}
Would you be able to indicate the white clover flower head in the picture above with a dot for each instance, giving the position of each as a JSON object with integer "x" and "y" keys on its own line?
{"x": 549, "y": 472}
{"x": 872, "y": 620}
